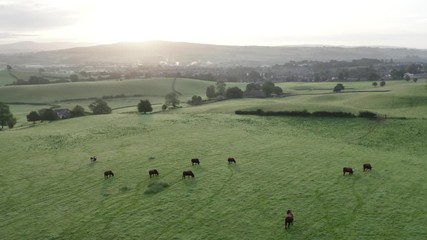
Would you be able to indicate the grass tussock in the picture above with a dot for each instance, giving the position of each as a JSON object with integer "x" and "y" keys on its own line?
{"x": 156, "y": 187}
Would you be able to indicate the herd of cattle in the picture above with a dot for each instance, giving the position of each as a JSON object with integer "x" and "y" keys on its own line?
{"x": 155, "y": 172}
{"x": 188, "y": 173}
{"x": 349, "y": 170}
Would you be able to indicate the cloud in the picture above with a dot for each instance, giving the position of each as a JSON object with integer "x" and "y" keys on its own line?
{"x": 27, "y": 16}
{"x": 7, "y": 35}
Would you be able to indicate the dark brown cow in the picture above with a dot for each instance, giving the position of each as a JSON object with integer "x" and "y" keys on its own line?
{"x": 187, "y": 173}
{"x": 231, "y": 160}
{"x": 367, "y": 166}
{"x": 289, "y": 219}
{"x": 108, "y": 174}
{"x": 153, "y": 172}
{"x": 347, "y": 170}
{"x": 195, "y": 161}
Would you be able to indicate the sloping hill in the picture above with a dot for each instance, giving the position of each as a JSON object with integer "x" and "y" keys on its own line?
{"x": 5, "y": 78}
{"x": 396, "y": 99}
{"x": 28, "y": 46}
{"x": 50, "y": 190}
{"x": 49, "y": 93}
{"x": 151, "y": 53}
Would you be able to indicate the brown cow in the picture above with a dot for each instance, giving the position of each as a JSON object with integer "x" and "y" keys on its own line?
{"x": 289, "y": 219}
{"x": 347, "y": 170}
{"x": 108, "y": 174}
{"x": 231, "y": 160}
{"x": 187, "y": 173}
{"x": 153, "y": 172}
{"x": 367, "y": 166}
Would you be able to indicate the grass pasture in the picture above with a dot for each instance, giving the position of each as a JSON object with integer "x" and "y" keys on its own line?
{"x": 80, "y": 90}
{"x": 68, "y": 95}
{"x": 50, "y": 190}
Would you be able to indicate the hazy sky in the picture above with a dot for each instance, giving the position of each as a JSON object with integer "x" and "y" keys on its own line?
{"x": 400, "y": 23}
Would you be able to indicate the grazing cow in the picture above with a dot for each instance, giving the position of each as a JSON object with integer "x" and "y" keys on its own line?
{"x": 153, "y": 172}
{"x": 188, "y": 173}
{"x": 367, "y": 166}
{"x": 93, "y": 159}
{"x": 231, "y": 160}
{"x": 108, "y": 174}
{"x": 195, "y": 161}
{"x": 347, "y": 170}
{"x": 289, "y": 219}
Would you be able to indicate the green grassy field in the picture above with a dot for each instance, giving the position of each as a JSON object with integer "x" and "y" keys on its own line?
{"x": 153, "y": 89}
{"x": 63, "y": 91}
{"x": 5, "y": 78}
{"x": 50, "y": 190}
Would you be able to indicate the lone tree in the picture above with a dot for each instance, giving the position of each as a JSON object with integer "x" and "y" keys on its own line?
{"x": 77, "y": 111}
{"x": 145, "y": 106}
{"x": 6, "y": 117}
{"x": 33, "y": 117}
{"x": 99, "y": 106}
{"x": 339, "y": 87}
{"x": 172, "y": 99}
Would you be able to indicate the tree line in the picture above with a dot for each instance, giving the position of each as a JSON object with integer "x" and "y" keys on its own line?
{"x": 292, "y": 71}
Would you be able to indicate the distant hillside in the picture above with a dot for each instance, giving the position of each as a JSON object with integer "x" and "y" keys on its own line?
{"x": 172, "y": 53}
{"x": 26, "y": 47}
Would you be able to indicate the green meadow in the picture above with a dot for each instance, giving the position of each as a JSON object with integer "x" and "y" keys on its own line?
{"x": 51, "y": 190}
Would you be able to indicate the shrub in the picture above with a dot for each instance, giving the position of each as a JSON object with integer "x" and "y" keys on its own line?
{"x": 77, "y": 111}
{"x": 195, "y": 100}
{"x": 367, "y": 114}
{"x": 234, "y": 92}
{"x": 303, "y": 113}
{"x": 47, "y": 114}
{"x": 332, "y": 114}
{"x": 339, "y": 87}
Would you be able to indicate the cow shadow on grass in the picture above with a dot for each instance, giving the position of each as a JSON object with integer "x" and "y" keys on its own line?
{"x": 156, "y": 186}
{"x": 108, "y": 186}
{"x": 348, "y": 178}
{"x": 197, "y": 169}
{"x": 190, "y": 183}
{"x": 92, "y": 164}
{"x": 234, "y": 167}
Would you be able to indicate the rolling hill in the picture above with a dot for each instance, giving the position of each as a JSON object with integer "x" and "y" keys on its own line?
{"x": 51, "y": 190}
{"x": 153, "y": 52}
{"x": 28, "y": 46}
